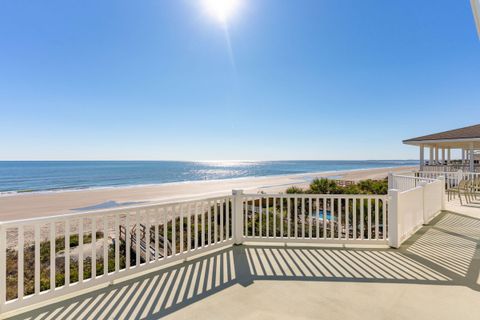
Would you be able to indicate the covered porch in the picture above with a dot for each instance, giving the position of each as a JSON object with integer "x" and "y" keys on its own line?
{"x": 448, "y": 151}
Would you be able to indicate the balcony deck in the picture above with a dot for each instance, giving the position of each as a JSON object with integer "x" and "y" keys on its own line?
{"x": 435, "y": 274}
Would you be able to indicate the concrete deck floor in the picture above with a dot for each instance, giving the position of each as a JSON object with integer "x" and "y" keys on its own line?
{"x": 434, "y": 275}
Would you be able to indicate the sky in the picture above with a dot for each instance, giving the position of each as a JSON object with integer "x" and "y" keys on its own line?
{"x": 278, "y": 80}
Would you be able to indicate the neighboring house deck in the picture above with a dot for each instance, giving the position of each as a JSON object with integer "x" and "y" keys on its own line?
{"x": 434, "y": 275}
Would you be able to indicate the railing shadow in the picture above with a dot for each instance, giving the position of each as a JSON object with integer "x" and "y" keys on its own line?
{"x": 445, "y": 253}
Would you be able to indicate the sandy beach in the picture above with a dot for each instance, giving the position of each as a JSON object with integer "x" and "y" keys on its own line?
{"x": 23, "y": 206}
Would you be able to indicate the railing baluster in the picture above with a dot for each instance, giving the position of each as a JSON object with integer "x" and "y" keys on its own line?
{"x": 128, "y": 241}
{"x": 37, "y": 259}
{"x": 295, "y": 210}
{"x": 260, "y": 213}
{"x": 117, "y": 242}
{"x": 157, "y": 222}
{"x": 202, "y": 208}
{"x": 215, "y": 222}
{"x": 209, "y": 234}
{"x": 354, "y": 209}
{"x": 245, "y": 222}
{"x": 227, "y": 217}
{"x": 303, "y": 217}
{"x": 310, "y": 228}
{"x": 369, "y": 213}
{"x": 324, "y": 218}
{"x": 332, "y": 218}
{"x": 189, "y": 227}
{"x": 222, "y": 203}
{"x": 105, "y": 245}
{"x": 147, "y": 236}
{"x": 339, "y": 224}
{"x": 165, "y": 233}
{"x": 253, "y": 217}
{"x": 377, "y": 216}
{"x": 317, "y": 217}
{"x": 362, "y": 218}
{"x": 80, "y": 250}
{"x": 52, "y": 256}
{"x": 347, "y": 218}
{"x": 196, "y": 226}
{"x": 67, "y": 255}
{"x": 274, "y": 214}
{"x": 181, "y": 226}
{"x": 384, "y": 219}
{"x": 288, "y": 218}
{"x": 281, "y": 217}
{"x": 137, "y": 238}
{"x": 20, "y": 262}
{"x": 93, "y": 259}
{"x": 174, "y": 231}
{"x": 267, "y": 213}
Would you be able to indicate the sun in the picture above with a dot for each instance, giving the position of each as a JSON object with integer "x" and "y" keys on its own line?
{"x": 222, "y": 10}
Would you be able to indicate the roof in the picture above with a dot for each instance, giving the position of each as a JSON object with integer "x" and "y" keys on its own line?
{"x": 472, "y": 132}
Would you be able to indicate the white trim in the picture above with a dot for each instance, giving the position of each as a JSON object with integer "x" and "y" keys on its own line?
{"x": 419, "y": 142}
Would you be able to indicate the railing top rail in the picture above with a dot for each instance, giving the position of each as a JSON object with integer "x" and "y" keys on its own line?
{"x": 316, "y": 195}
{"x": 414, "y": 178}
{"x": 110, "y": 211}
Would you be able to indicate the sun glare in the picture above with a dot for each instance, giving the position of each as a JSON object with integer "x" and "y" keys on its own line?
{"x": 221, "y": 9}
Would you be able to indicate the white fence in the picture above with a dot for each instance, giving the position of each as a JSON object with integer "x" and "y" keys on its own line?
{"x": 45, "y": 258}
{"x": 450, "y": 168}
{"x": 411, "y": 208}
{"x": 404, "y": 182}
{"x": 315, "y": 218}
{"x": 452, "y": 179}
{"x": 48, "y": 257}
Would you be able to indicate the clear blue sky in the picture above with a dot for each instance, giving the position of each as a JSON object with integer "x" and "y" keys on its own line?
{"x": 154, "y": 79}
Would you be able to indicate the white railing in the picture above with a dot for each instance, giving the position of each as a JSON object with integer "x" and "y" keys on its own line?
{"x": 51, "y": 257}
{"x": 404, "y": 182}
{"x": 450, "y": 168}
{"x": 452, "y": 179}
{"x": 315, "y": 218}
{"x": 44, "y": 258}
{"x": 411, "y": 208}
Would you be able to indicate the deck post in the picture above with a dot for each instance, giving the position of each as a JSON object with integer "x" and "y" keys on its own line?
{"x": 393, "y": 221}
{"x": 422, "y": 184}
{"x": 430, "y": 162}
{"x": 237, "y": 215}
{"x": 390, "y": 180}
{"x": 471, "y": 158}
{"x": 443, "y": 179}
{"x": 422, "y": 156}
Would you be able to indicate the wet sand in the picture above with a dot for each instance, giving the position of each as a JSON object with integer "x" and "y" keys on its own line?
{"x": 23, "y": 206}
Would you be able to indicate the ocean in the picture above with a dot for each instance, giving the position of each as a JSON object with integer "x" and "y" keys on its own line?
{"x": 35, "y": 176}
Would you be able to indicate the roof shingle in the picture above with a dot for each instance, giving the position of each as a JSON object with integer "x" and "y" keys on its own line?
{"x": 472, "y": 132}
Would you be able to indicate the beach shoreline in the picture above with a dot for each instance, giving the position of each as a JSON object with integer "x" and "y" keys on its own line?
{"x": 47, "y": 203}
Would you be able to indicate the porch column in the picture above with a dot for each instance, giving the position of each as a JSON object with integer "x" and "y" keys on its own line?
{"x": 472, "y": 157}
{"x": 443, "y": 156}
{"x": 430, "y": 160}
{"x": 422, "y": 156}
{"x": 463, "y": 156}
{"x": 436, "y": 154}
{"x": 449, "y": 155}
